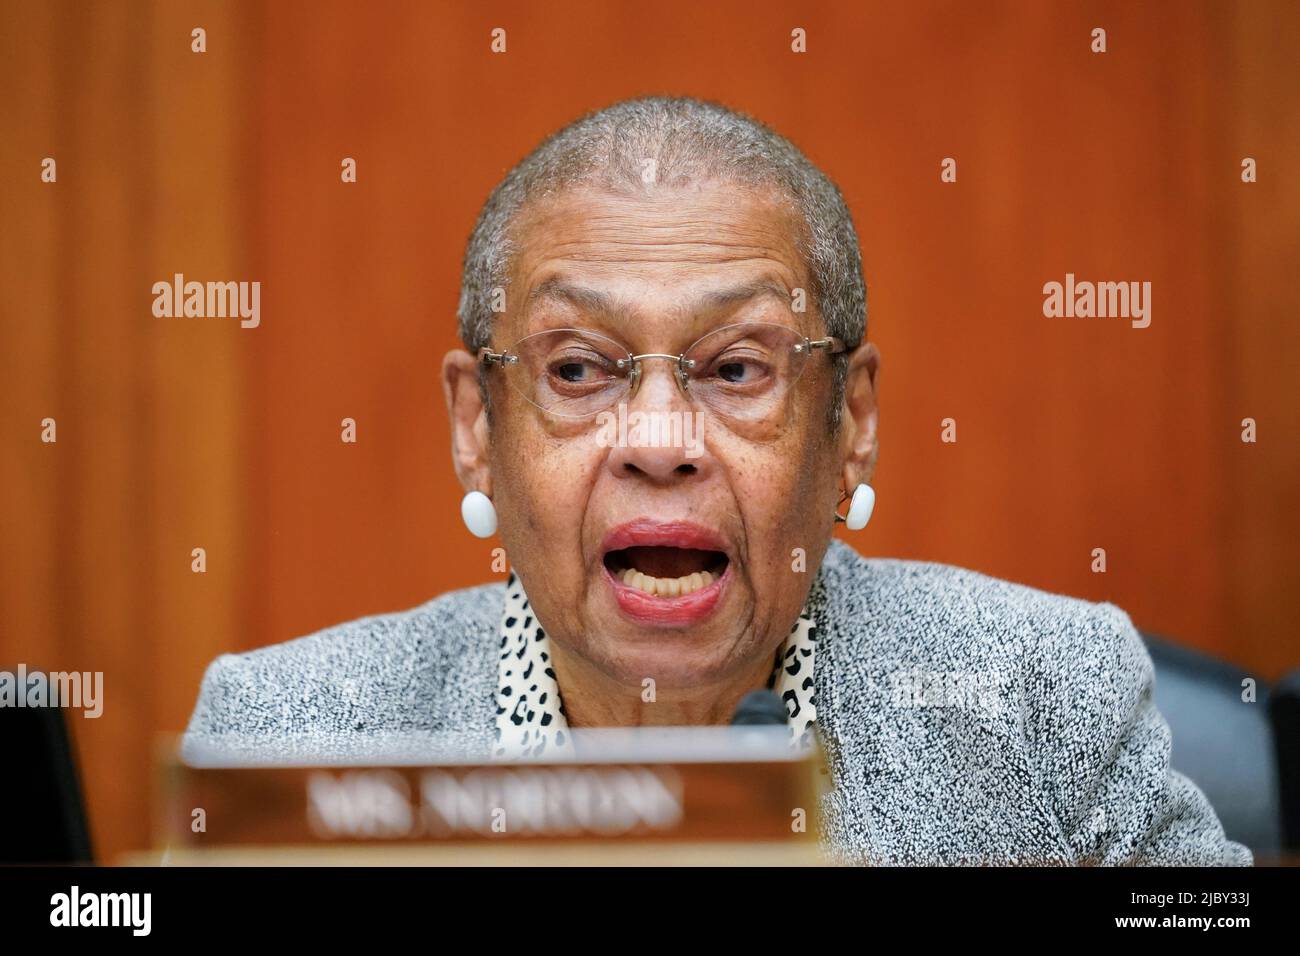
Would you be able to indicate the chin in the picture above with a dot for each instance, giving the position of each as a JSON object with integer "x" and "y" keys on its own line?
{"x": 678, "y": 659}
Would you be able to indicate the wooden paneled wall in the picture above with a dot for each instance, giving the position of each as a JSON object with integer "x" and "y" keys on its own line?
{"x": 151, "y": 146}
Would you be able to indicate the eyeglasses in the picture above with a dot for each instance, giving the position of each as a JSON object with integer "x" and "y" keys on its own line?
{"x": 742, "y": 372}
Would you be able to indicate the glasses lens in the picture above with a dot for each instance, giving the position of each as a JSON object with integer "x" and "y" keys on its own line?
{"x": 745, "y": 371}
{"x": 570, "y": 373}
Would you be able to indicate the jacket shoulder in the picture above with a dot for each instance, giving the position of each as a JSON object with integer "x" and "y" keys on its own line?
{"x": 924, "y": 609}
{"x": 413, "y": 670}
{"x": 1066, "y": 685}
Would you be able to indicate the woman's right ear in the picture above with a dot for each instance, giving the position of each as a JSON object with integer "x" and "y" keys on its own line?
{"x": 467, "y": 418}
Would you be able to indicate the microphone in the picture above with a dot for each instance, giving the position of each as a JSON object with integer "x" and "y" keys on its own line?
{"x": 759, "y": 707}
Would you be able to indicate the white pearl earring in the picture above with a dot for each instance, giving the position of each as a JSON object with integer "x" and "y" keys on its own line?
{"x": 861, "y": 505}
{"x": 479, "y": 514}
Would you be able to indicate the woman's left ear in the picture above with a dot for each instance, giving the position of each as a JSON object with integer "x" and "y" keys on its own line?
{"x": 860, "y": 416}
{"x": 468, "y": 420}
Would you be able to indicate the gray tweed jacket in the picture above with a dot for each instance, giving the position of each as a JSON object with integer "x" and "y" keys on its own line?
{"x": 967, "y": 720}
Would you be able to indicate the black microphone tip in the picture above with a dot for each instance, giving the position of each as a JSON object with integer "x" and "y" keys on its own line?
{"x": 759, "y": 707}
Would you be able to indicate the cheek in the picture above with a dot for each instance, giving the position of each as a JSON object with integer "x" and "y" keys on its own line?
{"x": 777, "y": 489}
{"x": 543, "y": 484}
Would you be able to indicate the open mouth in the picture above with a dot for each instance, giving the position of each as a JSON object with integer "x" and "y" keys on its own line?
{"x": 664, "y": 571}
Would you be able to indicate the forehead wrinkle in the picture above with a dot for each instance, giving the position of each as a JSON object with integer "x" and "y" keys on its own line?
{"x": 633, "y": 250}
{"x": 597, "y": 301}
{"x": 662, "y": 229}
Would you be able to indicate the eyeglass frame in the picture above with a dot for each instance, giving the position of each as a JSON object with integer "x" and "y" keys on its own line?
{"x": 830, "y": 343}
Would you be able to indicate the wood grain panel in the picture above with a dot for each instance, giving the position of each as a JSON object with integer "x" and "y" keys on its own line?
{"x": 99, "y": 526}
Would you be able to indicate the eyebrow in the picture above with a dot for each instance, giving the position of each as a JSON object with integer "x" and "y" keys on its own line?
{"x": 593, "y": 300}
{"x": 582, "y": 297}
{"x": 760, "y": 288}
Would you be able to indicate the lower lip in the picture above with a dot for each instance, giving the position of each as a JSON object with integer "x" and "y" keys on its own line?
{"x": 652, "y": 610}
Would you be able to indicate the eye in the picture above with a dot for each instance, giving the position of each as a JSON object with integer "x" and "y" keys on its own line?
{"x": 573, "y": 371}
{"x": 740, "y": 368}
{"x": 735, "y": 372}
{"x": 581, "y": 368}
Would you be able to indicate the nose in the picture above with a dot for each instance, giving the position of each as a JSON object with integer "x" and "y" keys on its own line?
{"x": 660, "y": 433}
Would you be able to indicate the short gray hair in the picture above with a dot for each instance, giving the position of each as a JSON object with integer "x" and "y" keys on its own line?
{"x": 688, "y": 140}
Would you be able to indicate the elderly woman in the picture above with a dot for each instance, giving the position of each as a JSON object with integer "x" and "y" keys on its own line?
{"x": 666, "y": 395}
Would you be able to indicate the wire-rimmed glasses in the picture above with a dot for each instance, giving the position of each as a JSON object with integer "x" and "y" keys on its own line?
{"x": 742, "y": 372}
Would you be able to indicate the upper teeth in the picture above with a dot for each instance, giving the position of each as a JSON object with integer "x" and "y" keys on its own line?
{"x": 667, "y": 587}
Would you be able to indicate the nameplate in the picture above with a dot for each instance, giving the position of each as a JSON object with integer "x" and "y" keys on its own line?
{"x": 628, "y": 788}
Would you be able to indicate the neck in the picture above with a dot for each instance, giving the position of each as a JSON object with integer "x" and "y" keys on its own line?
{"x": 592, "y": 699}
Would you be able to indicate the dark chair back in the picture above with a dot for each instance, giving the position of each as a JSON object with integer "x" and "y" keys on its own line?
{"x": 1223, "y": 742}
